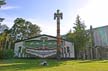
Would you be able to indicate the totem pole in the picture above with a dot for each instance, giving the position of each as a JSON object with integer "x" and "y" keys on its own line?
{"x": 58, "y": 16}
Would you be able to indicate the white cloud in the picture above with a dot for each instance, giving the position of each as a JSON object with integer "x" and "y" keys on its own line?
{"x": 8, "y": 21}
{"x": 95, "y": 13}
{"x": 9, "y": 7}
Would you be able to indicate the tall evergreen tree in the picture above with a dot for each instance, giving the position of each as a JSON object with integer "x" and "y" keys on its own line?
{"x": 80, "y": 37}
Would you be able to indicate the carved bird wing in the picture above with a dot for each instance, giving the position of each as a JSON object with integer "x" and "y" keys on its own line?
{"x": 54, "y": 16}
{"x": 61, "y": 15}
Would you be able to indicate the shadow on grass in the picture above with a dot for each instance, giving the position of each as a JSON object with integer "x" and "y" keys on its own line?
{"x": 104, "y": 61}
{"x": 86, "y": 61}
{"x": 91, "y": 61}
{"x": 24, "y": 64}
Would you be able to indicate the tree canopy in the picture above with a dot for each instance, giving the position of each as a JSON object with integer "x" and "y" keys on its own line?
{"x": 2, "y": 2}
{"x": 79, "y": 35}
{"x": 23, "y": 29}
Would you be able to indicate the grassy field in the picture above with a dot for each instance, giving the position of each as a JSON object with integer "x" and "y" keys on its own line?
{"x": 53, "y": 65}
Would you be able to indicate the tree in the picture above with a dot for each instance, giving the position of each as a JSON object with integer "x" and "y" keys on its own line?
{"x": 7, "y": 39}
{"x": 2, "y": 43}
{"x": 5, "y": 48}
{"x": 2, "y": 2}
{"x": 4, "y": 39}
{"x": 1, "y": 40}
{"x": 23, "y": 29}
{"x": 32, "y": 30}
{"x": 70, "y": 36}
{"x": 79, "y": 37}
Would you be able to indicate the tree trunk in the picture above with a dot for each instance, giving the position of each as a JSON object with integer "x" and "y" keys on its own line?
{"x": 84, "y": 57}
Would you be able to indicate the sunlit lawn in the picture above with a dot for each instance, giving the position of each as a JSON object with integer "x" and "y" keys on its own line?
{"x": 53, "y": 65}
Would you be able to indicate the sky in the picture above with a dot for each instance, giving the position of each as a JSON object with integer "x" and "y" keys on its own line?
{"x": 41, "y": 13}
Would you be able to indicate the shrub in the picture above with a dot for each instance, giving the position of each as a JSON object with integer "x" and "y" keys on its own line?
{"x": 1, "y": 54}
{"x": 8, "y": 53}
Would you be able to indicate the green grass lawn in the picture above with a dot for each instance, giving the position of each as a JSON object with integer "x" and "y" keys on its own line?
{"x": 54, "y": 65}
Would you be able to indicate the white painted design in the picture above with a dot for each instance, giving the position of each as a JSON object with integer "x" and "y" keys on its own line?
{"x": 41, "y": 53}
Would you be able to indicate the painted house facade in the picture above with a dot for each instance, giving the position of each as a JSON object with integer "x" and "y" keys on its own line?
{"x": 43, "y": 46}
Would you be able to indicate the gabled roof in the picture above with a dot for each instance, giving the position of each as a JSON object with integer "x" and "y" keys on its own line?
{"x": 106, "y": 26}
{"x": 40, "y": 36}
{"x": 35, "y": 37}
